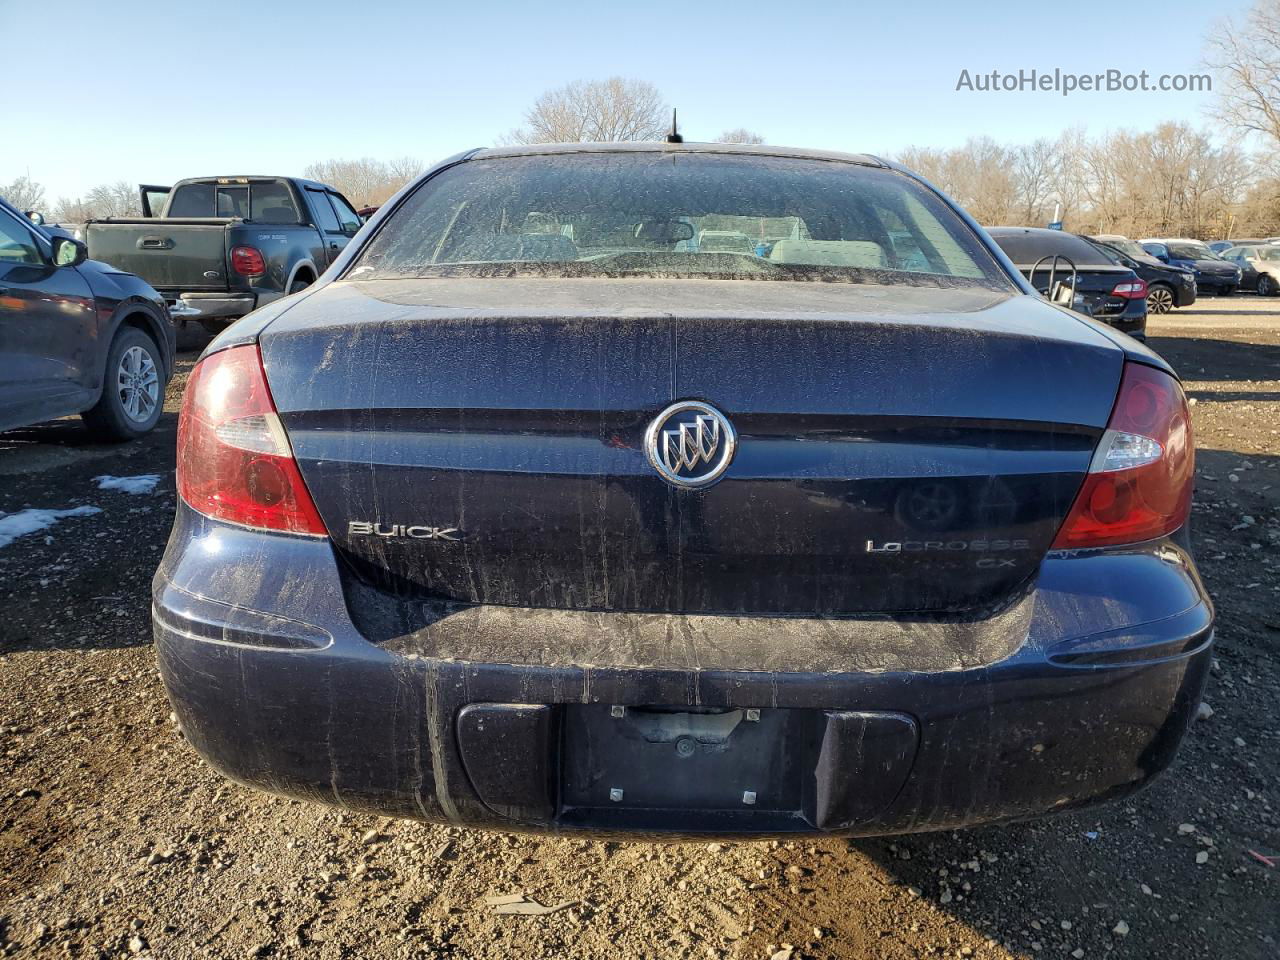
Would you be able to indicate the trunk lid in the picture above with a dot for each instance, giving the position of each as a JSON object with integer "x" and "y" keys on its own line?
{"x": 899, "y": 448}
{"x": 175, "y": 255}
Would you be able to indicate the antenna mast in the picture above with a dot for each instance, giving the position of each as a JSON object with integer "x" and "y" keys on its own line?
{"x": 674, "y": 135}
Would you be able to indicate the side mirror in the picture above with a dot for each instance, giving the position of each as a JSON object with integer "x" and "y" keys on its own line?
{"x": 68, "y": 252}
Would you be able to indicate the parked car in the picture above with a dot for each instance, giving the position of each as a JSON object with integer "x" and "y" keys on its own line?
{"x": 224, "y": 246}
{"x": 598, "y": 534}
{"x": 1212, "y": 273}
{"x": 1260, "y": 266}
{"x": 77, "y": 336}
{"x": 1167, "y": 286}
{"x": 1104, "y": 289}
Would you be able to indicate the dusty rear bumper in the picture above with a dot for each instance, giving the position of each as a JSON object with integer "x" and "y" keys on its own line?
{"x": 279, "y": 689}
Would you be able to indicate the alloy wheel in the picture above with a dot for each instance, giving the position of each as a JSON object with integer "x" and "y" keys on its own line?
{"x": 138, "y": 384}
{"x": 1159, "y": 300}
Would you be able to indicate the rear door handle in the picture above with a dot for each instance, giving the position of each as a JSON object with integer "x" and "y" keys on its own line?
{"x": 155, "y": 243}
{"x": 333, "y": 245}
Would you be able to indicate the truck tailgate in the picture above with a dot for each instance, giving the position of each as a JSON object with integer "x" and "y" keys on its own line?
{"x": 179, "y": 254}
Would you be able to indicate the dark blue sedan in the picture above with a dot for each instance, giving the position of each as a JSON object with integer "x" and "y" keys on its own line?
{"x": 531, "y": 515}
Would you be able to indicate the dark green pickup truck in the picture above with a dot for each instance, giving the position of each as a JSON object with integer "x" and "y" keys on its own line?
{"x": 223, "y": 246}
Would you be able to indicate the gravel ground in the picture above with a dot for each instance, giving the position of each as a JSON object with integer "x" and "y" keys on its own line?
{"x": 115, "y": 840}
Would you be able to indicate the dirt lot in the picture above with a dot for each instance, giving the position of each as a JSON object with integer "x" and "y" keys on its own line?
{"x": 115, "y": 840}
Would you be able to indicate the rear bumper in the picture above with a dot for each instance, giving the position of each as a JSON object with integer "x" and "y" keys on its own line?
{"x": 276, "y": 686}
{"x": 215, "y": 306}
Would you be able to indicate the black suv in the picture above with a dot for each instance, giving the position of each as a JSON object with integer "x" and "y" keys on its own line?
{"x": 1167, "y": 286}
{"x": 77, "y": 336}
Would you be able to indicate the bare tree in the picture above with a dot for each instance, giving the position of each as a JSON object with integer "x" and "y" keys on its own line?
{"x": 739, "y": 135}
{"x": 588, "y": 111}
{"x": 24, "y": 193}
{"x": 72, "y": 210}
{"x": 366, "y": 182}
{"x": 119, "y": 199}
{"x": 1246, "y": 57}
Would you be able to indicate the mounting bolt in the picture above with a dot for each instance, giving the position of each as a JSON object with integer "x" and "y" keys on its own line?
{"x": 748, "y": 797}
{"x": 615, "y": 794}
{"x": 618, "y": 711}
{"x": 753, "y": 715}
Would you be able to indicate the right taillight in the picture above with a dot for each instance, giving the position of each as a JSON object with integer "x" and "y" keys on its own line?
{"x": 248, "y": 261}
{"x": 234, "y": 460}
{"x": 1140, "y": 479}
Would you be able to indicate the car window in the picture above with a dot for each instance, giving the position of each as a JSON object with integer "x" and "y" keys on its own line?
{"x": 326, "y": 219}
{"x": 1027, "y": 247}
{"x": 231, "y": 202}
{"x": 1270, "y": 254}
{"x": 677, "y": 215}
{"x": 16, "y": 243}
{"x": 192, "y": 200}
{"x": 1190, "y": 251}
{"x": 272, "y": 202}
{"x": 349, "y": 219}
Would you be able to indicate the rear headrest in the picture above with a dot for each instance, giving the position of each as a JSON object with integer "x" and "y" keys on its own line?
{"x": 279, "y": 215}
{"x": 830, "y": 253}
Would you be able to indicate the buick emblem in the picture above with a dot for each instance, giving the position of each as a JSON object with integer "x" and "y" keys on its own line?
{"x": 690, "y": 443}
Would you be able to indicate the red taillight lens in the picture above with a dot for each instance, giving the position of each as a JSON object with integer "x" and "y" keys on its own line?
{"x": 1131, "y": 290}
{"x": 234, "y": 460}
{"x": 1139, "y": 482}
{"x": 247, "y": 262}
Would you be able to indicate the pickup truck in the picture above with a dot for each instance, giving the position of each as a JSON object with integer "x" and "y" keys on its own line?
{"x": 224, "y": 246}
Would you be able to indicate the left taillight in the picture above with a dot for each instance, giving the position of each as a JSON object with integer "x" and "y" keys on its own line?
{"x": 234, "y": 459}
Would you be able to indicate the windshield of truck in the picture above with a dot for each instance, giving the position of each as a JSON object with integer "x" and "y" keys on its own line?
{"x": 676, "y": 215}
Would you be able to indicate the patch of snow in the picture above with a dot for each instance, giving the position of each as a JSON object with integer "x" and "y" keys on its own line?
{"x": 144, "y": 483}
{"x": 15, "y": 525}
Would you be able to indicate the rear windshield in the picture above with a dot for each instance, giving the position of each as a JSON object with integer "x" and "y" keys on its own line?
{"x": 265, "y": 201}
{"x": 1026, "y": 247}
{"x": 676, "y": 215}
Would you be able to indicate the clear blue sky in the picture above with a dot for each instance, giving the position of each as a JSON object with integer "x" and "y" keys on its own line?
{"x": 154, "y": 92}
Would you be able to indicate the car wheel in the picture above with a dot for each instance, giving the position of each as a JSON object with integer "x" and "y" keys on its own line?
{"x": 1159, "y": 299}
{"x": 215, "y": 327}
{"x": 132, "y": 388}
{"x": 300, "y": 284}
{"x": 1266, "y": 286}
{"x": 1227, "y": 291}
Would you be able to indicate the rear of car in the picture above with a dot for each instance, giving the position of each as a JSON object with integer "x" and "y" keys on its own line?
{"x": 536, "y": 516}
{"x": 1092, "y": 281}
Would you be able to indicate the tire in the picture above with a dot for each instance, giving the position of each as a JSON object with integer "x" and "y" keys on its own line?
{"x": 1160, "y": 299}
{"x": 215, "y": 327}
{"x": 132, "y": 388}
{"x": 299, "y": 284}
{"x": 1227, "y": 291}
{"x": 1267, "y": 287}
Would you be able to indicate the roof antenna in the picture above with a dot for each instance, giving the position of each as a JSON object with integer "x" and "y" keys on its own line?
{"x": 674, "y": 135}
